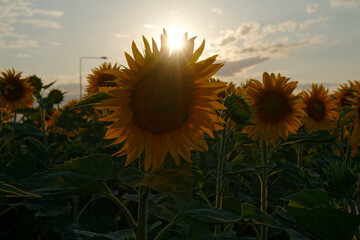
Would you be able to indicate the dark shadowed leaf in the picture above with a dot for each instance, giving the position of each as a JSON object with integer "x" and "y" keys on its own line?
{"x": 326, "y": 223}
{"x": 77, "y": 175}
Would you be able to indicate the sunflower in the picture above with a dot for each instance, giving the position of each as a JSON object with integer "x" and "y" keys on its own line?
{"x": 355, "y": 115}
{"x": 230, "y": 88}
{"x": 343, "y": 93}
{"x": 320, "y": 109}
{"x": 276, "y": 110}
{"x": 66, "y": 110}
{"x": 16, "y": 93}
{"x": 165, "y": 103}
{"x": 100, "y": 78}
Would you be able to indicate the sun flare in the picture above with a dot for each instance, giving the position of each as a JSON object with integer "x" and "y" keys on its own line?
{"x": 175, "y": 38}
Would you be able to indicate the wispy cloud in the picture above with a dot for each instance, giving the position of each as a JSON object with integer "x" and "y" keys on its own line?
{"x": 288, "y": 26}
{"x": 344, "y": 3}
{"x": 40, "y": 23}
{"x": 23, "y": 55}
{"x": 18, "y": 43}
{"x": 248, "y": 45}
{"x": 271, "y": 28}
{"x": 312, "y": 8}
{"x": 147, "y": 25}
{"x": 217, "y": 10}
{"x": 22, "y": 12}
{"x": 117, "y": 35}
{"x": 55, "y": 43}
{"x": 308, "y": 23}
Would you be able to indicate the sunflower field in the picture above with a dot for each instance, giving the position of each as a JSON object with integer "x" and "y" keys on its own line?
{"x": 161, "y": 149}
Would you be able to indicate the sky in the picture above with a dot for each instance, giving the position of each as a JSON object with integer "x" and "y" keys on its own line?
{"x": 308, "y": 41}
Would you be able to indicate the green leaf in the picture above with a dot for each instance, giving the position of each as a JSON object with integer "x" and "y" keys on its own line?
{"x": 131, "y": 176}
{"x": 309, "y": 198}
{"x": 121, "y": 234}
{"x": 175, "y": 181}
{"x": 255, "y": 215}
{"x": 213, "y": 215}
{"x": 7, "y": 190}
{"x": 48, "y": 85}
{"x": 89, "y": 102}
{"x": 23, "y": 129}
{"x": 77, "y": 175}
{"x": 326, "y": 223}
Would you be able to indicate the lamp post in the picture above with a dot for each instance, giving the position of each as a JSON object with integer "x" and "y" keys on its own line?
{"x": 81, "y": 58}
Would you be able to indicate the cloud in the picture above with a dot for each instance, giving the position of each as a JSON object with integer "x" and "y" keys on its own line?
{"x": 248, "y": 45}
{"x": 312, "y": 8}
{"x": 344, "y": 3}
{"x": 247, "y": 30}
{"x": 55, "y": 43}
{"x": 48, "y": 13}
{"x": 271, "y": 28}
{"x": 147, "y": 25}
{"x": 230, "y": 68}
{"x": 22, "y": 12}
{"x": 19, "y": 43}
{"x": 40, "y": 23}
{"x": 117, "y": 35}
{"x": 310, "y": 22}
{"x": 288, "y": 26}
{"x": 217, "y": 10}
{"x": 23, "y": 55}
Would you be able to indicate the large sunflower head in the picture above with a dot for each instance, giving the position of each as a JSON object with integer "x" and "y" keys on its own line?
{"x": 276, "y": 110}
{"x": 16, "y": 93}
{"x": 165, "y": 103}
{"x": 320, "y": 109}
{"x": 100, "y": 77}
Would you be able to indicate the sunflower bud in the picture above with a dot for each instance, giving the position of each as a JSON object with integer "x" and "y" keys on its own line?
{"x": 238, "y": 109}
{"x": 56, "y": 95}
{"x": 36, "y": 82}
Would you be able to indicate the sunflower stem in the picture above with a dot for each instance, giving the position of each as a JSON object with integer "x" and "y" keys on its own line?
{"x": 348, "y": 149}
{"x": 220, "y": 174}
{"x": 141, "y": 233}
{"x": 263, "y": 186}
{"x": 173, "y": 222}
{"x": 121, "y": 206}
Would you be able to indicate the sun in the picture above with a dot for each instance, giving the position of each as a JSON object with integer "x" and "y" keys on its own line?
{"x": 175, "y": 38}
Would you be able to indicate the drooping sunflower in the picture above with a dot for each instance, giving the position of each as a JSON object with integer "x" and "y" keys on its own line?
{"x": 320, "y": 109}
{"x": 100, "y": 77}
{"x": 165, "y": 103}
{"x": 276, "y": 110}
{"x": 16, "y": 93}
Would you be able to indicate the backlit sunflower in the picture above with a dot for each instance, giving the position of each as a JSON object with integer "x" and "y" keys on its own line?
{"x": 355, "y": 115}
{"x": 320, "y": 109}
{"x": 342, "y": 94}
{"x": 100, "y": 78}
{"x": 165, "y": 103}
{"x": 16, "y": 93}
{"x": 276, "y": 110}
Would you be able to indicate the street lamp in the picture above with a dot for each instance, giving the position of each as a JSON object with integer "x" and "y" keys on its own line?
{"x": 81, "y": 58}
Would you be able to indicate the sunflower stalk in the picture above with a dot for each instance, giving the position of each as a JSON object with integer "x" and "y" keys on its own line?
{"x": 263, "y": 184}
{"x": 173, "y": 222}
{"x": 220, "y": 174}
{"x": 141, "y": 233}
{"x": 121, "y": 206}
{"x": 348, "y": 149}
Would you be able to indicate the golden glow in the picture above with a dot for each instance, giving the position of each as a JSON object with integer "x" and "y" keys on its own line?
{"x": 175, "y": 38}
